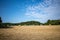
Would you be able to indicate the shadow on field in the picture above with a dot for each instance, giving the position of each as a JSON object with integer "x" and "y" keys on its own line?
{"x": 3, "y": 27}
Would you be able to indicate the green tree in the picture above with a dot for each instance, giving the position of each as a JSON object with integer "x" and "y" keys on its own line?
{"x": 0, "y": 20}
{"x": 53, "y": 22}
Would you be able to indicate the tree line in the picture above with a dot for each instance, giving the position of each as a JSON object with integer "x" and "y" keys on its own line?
{"x": 49, "y": 22}
{"x": 53, "y": 22}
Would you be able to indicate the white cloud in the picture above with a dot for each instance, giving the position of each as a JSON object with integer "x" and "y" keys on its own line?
{"x": 44, "y": 10}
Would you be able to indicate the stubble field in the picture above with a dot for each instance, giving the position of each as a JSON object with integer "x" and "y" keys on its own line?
{"x": 51, "y": 32}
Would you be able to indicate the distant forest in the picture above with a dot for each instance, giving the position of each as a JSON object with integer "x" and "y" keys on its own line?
{"x": 49, "y": 22}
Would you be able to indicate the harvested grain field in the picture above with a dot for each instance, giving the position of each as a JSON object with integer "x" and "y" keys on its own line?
{"x": 31, "y": 33}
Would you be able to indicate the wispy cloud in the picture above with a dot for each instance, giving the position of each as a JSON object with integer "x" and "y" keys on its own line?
{"x": 45, "y": 10}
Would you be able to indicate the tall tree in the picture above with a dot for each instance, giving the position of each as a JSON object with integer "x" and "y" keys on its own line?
{"x": 0, "y": 20}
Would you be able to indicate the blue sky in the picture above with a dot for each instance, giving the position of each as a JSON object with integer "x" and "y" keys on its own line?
{"x": 15, "y": 11}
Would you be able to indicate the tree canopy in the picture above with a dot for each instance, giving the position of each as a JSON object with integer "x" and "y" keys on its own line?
{"x": 0, "y": 20}
{"x": 53, "y": 22}
{"x": 30, "y": 23}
